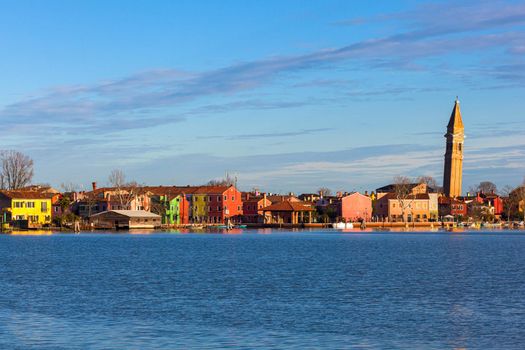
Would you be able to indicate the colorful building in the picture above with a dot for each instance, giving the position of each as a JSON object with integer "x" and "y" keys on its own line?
{"x": 355, "y": 207}
{"x": 110, "y": 198}
{"x": 171, "y": 206}
{"x": 416, "y": 207}
{"x": 288, "y": 212}
{"x": 26, "y": 209}
{"x": 452, "y": 206}
{"x": 252, "y": 205}
{"x": 224, "y": 204}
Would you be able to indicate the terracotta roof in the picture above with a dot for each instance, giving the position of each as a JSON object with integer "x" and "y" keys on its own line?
{"x": 39, "y": 188}
{"x": 391, "y": 187}
{"x": 171, "y": 191}
{"x": 289, "y": 206}
{"x": 445, "y": 200}
{"x": 26, "y": 195}
{"x": 279, "y": 198}
{"x": 419, "y": 196}
{"x": 212, "y": 189}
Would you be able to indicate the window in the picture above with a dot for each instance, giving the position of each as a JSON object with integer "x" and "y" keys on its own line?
{"x": 233, "y": 198}
{"x": 43, "y": 206}
{"x": 459, "y": 146}
{"x": 30, "y": 204}
{"x": 225, "y": 198}
{"x": 238, "y": 207}
{"x": 18, "y": 204}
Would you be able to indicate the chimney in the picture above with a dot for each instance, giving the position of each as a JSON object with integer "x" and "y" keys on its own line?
{"x": 94, "y": 185}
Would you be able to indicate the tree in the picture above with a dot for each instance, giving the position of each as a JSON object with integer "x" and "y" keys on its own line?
{"x": 324, "y": 192}
{"x": 487, "y": 187}
{"x": 429, "y": 181}
{"x": 17, "y": 170}
{"x": 228, "y": 180}
{"x": 403, "y": 193}
{"x": 125, "y": 192}
{"x": 519, "y": 194}
{"x": 68, "y": 187}
{"x": 509, "y": 200}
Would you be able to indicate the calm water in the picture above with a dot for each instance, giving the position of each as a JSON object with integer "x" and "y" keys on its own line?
{"x": 280, "y": 290}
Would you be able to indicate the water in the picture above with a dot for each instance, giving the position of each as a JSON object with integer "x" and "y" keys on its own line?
{"x": 304, "y": 290}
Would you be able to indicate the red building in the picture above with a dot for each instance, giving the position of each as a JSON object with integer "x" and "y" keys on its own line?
{"x": 224, "y": 203}
{"x": 355, "y": 207}
{"x": 252, "y": 205}
{"x": 451, "y": 206}
{"x": 495, "y": 202}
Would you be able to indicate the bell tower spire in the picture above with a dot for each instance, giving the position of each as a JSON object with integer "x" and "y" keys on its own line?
{"x": 455, "y": 136}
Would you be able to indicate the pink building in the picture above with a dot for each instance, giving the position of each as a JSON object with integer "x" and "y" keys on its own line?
{"x": 355, "y": 207}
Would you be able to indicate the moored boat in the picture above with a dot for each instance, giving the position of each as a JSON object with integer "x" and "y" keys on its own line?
{"x": 343, "y": 225}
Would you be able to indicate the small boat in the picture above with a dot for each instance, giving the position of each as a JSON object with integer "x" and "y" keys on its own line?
{"x": 240, "y": 226}
{"x": 343, "y": 225}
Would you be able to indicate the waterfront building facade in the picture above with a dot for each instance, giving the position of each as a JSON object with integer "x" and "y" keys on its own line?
{"x": 26, "y": 209}
{"x": 289, "y": 212}
{"x": 355, "y": 207}
{"x": 252, "y": 205}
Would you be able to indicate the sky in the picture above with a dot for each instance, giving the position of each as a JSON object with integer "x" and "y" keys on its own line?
{"x": 284, "y": 95}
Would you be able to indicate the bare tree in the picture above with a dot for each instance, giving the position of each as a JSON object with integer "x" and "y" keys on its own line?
{"x": 68, "y": 187}
{"x": 228, "y": 180}
{"x": 403, "y": 193}
{"x": 487, "y": 187}
{"x": 17, "y": 170}
{"x": 125, "y": 192}
{"x": 509, "y": 200}
{"x": 519, "y": 194}
{"x": 429, "y": 181}
{"x": 324, "y": 192}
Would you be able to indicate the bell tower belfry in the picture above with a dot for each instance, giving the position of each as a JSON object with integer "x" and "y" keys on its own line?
{"x": 453, "y": 174}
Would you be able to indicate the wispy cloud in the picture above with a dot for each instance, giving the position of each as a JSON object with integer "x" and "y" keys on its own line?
{"x": 147, "y": 99}
{"x": 269, "y": 135}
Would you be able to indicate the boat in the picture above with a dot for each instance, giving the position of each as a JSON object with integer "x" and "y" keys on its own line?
{"x": 343, "y": 225}
{"x": 240, "y": 226}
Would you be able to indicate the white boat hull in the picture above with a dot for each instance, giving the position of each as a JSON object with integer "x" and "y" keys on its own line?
{"x": 343, "y": 225}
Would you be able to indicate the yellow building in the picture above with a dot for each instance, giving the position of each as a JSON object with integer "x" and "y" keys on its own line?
{"x": 199, "y": 208}
{"x": 19, "y": 207}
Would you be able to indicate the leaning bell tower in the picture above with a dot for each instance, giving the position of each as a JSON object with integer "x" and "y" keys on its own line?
{"x": 455, "y": 136}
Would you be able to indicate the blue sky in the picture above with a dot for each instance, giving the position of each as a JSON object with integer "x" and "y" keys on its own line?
{"x": 286, "y": 95}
